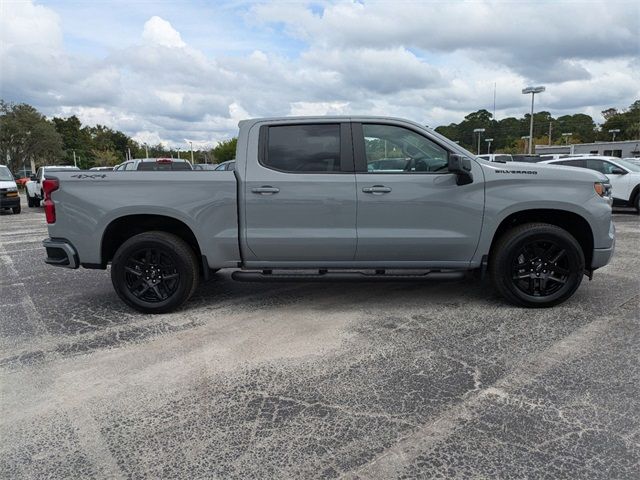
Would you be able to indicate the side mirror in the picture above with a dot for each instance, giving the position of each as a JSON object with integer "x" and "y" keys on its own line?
{"x": 33, "y": 177}
{"x": 618, "y": 171}
{"x": 461, "y": 166}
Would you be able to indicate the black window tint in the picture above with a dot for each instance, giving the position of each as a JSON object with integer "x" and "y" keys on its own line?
{"x": 304, "y": 148}
{"x": 231, "y": 165}
{"x": 180, "y": 166}
{"x": 573, "y": 163}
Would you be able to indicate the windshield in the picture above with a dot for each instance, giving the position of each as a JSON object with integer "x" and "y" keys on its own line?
{"x": 5, "y": 174}
{"x": 629, "y": 166}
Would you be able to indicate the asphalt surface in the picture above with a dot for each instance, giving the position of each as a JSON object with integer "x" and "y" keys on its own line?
{"x": 315, "y": 380}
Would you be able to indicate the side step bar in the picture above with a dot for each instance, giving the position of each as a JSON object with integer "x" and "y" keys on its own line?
{"x": 337, "y": 276}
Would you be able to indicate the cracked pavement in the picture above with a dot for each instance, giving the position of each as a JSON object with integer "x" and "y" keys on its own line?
{"x": 395, "y": 380}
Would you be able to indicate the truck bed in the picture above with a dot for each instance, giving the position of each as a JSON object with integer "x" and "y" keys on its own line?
{"x": 87, "y": 203}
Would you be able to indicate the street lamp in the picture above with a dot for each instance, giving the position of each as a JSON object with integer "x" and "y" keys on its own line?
{"x": 566, "y": 137}
{"x": 614, "y": 131}
{"x": 488, "y": 140}
{"x": 532, "y": 91}
{"x": 146, "y": 151}
{"x": 479, "y": 132}
{"x": 191, "y": 144}
{"x": 526, "y": 138}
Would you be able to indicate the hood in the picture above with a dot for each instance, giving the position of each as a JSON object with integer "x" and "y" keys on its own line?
{"x": 543, "y": 170}
{"x": 7, "y": 184}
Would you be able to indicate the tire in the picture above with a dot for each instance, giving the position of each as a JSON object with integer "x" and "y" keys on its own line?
{"x": 141, "y": 268}
{"x": 17, "y": 209}
{"x": 537, "y": 265}
{"x": 36, "y": 202}
{"x": 29, "y": 200}
{"x": 636, "y": 203}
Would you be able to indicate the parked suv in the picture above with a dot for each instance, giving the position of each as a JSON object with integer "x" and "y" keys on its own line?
{"x": 623, "y": 175}
{"x": 9, "y": 197}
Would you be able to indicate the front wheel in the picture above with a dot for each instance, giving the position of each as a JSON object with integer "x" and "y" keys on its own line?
{"x": 17, "y": 209}
{"x": 154, "y": 272}
{"x": 537, "y": 265}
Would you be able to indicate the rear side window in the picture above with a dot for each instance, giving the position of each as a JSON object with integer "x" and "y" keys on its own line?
{"x": 303, "y": 148}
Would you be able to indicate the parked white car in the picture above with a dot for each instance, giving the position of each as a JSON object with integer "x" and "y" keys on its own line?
{"x": 623, "y": 175}
{"x": 34, "y": 186}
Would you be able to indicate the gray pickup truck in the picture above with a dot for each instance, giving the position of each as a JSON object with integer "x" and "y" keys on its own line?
{"x": 330, "y": 198}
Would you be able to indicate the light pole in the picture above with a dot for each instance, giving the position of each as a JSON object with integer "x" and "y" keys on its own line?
{"x": 526, "y": 139}
{"x": 191, "y": 143}
{"x": 479, "y": 132}
{"x": 532, "y": 91}
{"x": 146, "y": 151}
{"x": 566, "y": 137}
{"x": 488, "y": 140}
{"x": 613, "y": 132}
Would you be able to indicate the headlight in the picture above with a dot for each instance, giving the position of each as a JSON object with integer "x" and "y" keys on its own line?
{"x": 603, "y": 189}
{"x": 12, "y": 189}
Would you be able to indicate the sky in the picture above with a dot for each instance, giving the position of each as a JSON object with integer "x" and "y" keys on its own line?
{"x": 174, "y": 71}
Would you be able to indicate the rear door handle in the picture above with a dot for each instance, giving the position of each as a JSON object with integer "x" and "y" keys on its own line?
{"x": 376, "y": 189}
{"x": 265, "y": 190}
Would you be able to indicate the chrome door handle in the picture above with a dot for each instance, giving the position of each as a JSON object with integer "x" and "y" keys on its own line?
{"x": 377, "y": 189}
{"x": 265, "y": 190}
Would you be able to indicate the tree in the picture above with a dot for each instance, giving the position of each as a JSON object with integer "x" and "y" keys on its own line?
{"x": 225, "y": 150}
{"x": 26, "y": 136}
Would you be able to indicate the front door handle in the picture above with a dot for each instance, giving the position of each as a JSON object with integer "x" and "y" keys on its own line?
{"x": 376, "y": 189}
{"x": 265, "y": 190}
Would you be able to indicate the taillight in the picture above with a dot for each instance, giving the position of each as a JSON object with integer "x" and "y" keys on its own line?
{"x": 50, "y": 185}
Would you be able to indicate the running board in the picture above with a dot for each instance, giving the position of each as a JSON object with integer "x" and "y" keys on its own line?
{"x": 337, "y": 276}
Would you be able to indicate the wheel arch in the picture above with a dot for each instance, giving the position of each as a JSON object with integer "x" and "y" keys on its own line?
{"x": 572, "y": 222}
{"x": 122, "y": 228}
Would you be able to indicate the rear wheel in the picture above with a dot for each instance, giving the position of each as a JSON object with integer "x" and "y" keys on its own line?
{"x": 637, "y": 203}
{"x": 537, "y": 265}
{"x": 17, "y": 209}
{"x": 29, "y": 200}
{"x": 154, "y": 272}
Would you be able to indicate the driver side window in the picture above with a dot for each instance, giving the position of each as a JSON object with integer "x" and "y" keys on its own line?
{"x": 392, "y": 149}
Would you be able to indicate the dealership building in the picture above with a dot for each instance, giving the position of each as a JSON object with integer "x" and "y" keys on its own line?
{"x": 623, "y": 149}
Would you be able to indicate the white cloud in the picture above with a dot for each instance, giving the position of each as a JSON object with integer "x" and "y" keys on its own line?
{"x": 431, "y": 62}
{"x": 318, "y": 108}
{"x": 160, "y": 32}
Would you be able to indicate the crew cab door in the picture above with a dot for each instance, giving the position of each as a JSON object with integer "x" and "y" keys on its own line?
{"x": 410, "y": 209}
{"x": 300, "y": 196}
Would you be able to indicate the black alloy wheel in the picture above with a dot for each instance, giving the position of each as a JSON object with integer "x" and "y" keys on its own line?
{"x": 540, "y": 268}
{"x": 536, "y": 265}
{"x": 151, "y": 275}
{"x": 155, "y": 272}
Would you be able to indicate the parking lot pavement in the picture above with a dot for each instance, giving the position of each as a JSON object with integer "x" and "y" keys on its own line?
{"x": 315, "y": 380}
